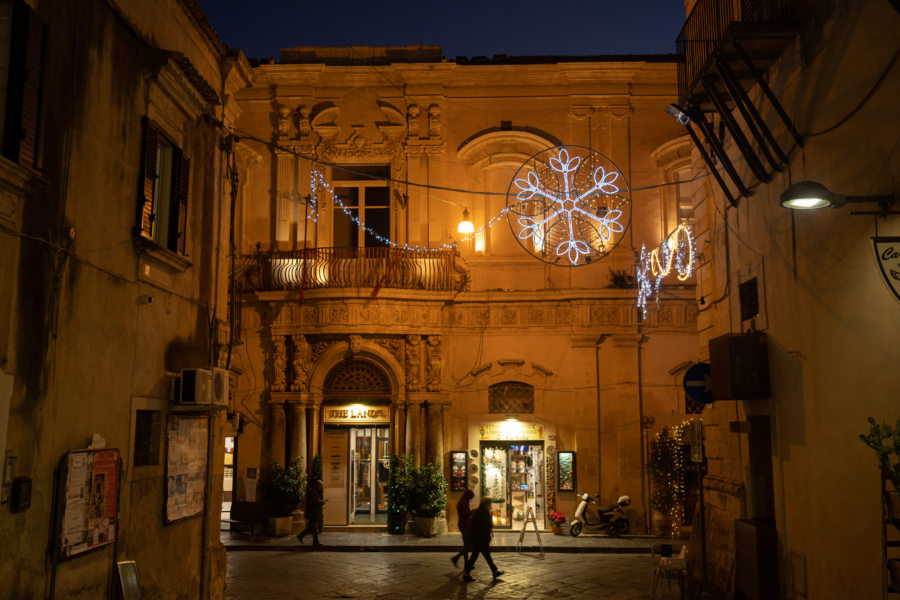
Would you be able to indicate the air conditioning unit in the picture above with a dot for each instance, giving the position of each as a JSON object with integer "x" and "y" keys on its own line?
{"x": 219, "y": 391}
{"x": 196, "y": 386}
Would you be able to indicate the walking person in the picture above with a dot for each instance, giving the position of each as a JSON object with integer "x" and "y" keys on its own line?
{"x": 480, "y": 534}
{"x": 465, "y": 519}
{"x": 313, "y": 511}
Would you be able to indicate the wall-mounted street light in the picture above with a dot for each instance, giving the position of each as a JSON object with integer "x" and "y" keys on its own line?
{"x": 466, "y": 226}
{"x": 810, "y": 195}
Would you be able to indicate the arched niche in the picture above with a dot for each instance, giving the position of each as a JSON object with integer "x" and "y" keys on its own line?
{"x": 368, "y": 351}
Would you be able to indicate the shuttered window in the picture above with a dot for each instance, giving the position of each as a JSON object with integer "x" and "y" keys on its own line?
{"x": 163, "y": 191}
{"x": 23, "y": 40}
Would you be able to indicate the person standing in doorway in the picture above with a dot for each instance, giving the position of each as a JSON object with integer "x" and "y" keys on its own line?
{"x": 465, "y": 519}
{"x": 480, "y": 534}
{"x": 313, "y": 512}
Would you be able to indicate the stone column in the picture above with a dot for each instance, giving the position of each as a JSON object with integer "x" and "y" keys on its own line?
{"x": 297, "y": 430}
{"x": 413, "y": 428}
{"x": 314, "y": 437}
{"x": 277, "y": 445}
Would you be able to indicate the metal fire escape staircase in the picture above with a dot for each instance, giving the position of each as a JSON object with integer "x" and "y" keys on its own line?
{"x": 725, "y": 49}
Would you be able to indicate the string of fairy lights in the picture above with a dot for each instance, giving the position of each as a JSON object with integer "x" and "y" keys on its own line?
{"x": 317, "y": 181}
{"x": 675, "y": 252}
{"x": 670, "y": 443}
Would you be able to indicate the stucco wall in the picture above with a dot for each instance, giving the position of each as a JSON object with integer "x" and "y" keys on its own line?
{"x": 833, "y": 327}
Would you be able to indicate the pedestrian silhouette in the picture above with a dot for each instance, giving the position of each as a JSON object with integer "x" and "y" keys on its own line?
{"x": 480, "y": 534}
{"x": 465, "y": 519}
{"x": 313, "y": 512}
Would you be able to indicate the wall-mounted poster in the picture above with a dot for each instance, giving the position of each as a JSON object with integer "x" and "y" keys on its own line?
{"x": 187, "y": 439}
{"x": 88, "y": 505}
{"x": 566, "y": 467}
{"x": 459, "y": 471}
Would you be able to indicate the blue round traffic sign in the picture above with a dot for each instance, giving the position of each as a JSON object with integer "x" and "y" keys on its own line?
{"x": 697, "y": 383}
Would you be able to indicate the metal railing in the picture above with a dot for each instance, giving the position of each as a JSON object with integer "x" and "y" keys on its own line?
{"x": 430, "y": 270}
{"x": 708, "y": 23}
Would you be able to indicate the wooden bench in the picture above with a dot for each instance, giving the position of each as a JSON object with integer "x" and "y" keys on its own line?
{"x": 246, "y": 516}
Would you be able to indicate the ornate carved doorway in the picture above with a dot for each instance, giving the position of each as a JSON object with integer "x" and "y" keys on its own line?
{"x": 357, "y": 416}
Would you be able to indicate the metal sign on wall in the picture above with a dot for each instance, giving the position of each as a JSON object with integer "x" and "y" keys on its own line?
{"x": 356, "y": 413}
{"x": 887, "y": 255}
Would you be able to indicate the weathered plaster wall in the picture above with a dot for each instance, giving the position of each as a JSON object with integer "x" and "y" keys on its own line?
{"x": 833, "y": 328}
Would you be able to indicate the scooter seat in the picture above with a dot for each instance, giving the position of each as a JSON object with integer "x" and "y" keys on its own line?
{"x": 606, "y": 509}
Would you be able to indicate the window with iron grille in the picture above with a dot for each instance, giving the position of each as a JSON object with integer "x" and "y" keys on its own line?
{"x": 511, "y": 397}
{"x": 146, "y": 438}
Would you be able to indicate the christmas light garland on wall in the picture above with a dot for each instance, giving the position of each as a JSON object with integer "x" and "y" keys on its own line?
{"x": 317, "y": 182}
{"x": 676, "y": 252}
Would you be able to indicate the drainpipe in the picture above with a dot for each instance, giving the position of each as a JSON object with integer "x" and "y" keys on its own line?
{"x": 599, "y": 415}
{"x": 640, "y": 374}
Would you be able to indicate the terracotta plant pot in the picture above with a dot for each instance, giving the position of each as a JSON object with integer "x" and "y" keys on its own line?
{"x": 425, "y": 526}
{"x": 279, "y": 526}
{"x": 556, "y": 529}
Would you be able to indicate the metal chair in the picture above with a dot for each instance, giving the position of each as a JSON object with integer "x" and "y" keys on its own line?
{"x": 665, "y": 567}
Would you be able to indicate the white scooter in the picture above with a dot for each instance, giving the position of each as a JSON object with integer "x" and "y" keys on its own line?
{"x": 610, "y": 519}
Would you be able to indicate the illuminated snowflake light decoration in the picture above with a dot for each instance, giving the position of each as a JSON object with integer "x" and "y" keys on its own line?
{"x": 675, "y": 252}
{"x": 571, "y": 207}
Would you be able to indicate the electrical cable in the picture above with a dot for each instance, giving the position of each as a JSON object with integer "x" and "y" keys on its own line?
{"x": 862, "y": 102}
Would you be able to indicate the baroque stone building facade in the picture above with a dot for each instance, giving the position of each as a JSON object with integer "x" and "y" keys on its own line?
{"x": 353, "y": 350}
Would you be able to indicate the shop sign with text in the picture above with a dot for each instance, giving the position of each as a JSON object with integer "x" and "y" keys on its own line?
{"x": 356, "y": 413}
{"x": 887, "y": 253}
{"x": 511, "y": 430}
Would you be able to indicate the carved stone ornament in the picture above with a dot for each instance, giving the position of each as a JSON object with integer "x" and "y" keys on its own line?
{"x": 279, "y": 364}
{"x": 302, "y": 364}
{"x": 392, "y": 345}
{"x": 284, "y": 122}
{"x": 412, "y": 121}
{"x": 320, "y": 346}
{"x": 433, "y": 364}
{"x": 434, "y": 121}
{"x": 355, "y": 344}
{"x": 413, "y": 364}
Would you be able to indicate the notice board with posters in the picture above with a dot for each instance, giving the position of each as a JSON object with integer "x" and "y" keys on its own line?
{"x": 187, "y": 441}
{"x": 87, "y": 505}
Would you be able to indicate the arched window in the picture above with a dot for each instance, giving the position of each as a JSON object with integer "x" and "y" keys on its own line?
{"x": 511, "y": 397}
{"x": 357, "y": 379}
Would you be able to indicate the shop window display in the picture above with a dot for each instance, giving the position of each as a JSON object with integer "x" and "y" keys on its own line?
{"x": 512, "y": 478}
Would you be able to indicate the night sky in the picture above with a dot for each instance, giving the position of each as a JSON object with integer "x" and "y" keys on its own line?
{"x": 461, "y": 27}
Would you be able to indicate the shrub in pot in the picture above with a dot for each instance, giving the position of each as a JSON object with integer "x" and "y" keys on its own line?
{"x": 666, "y": 469}
{"x": 284, "y": 489}
{"x": 428, "y": 495}
{"x": 398, "y": 492}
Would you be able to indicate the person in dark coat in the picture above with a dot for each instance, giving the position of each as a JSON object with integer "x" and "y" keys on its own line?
{"x": 480, "y": 534}
{"x": 465, "y": 519}
{"x": 313, "y": 512}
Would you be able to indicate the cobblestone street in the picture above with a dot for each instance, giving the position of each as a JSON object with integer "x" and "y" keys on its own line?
{"x": 270, "y": 575}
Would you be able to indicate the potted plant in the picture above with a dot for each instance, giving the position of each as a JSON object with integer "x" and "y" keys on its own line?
{"x": 885, "y": 441}
{"x": 428, "y": 496}
{"x": 557, "y": 520}
{"x": 284, "y": 489}
{"x": 398, "y": 492}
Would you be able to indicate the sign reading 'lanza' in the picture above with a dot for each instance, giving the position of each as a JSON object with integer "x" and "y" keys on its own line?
{"x": 356, "y": 413}
{"x": 887, "y": 253}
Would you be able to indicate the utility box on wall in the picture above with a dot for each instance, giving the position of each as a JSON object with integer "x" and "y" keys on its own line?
{"x": 739, "y": 366}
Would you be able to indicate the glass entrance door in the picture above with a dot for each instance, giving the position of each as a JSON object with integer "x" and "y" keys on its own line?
{"x": 512, "y": 477}
{"x": 370, "y": 459}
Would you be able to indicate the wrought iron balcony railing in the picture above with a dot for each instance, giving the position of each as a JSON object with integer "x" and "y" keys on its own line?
{"x": 430, "y": 270}
{"x": 709, "y": 22}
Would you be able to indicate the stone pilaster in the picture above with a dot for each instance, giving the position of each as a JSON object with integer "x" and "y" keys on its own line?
{"x": 277, "y": 446}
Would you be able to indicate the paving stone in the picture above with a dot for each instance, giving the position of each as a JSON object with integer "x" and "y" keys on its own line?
{"x": 430, "y": 576}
